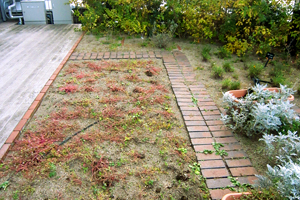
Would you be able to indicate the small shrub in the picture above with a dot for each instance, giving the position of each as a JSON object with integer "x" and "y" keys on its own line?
{"x": 235, "y": 85}
{"x": 278, "y": 79}
{"x": 68, "y": 88}
{"x": 161, "y": 40}
{"x": 217, "y": 72}
{"x": 206, "y": 53}
{"x": 226, "y": 83}
{"x": 223, "y": 53}
{"x": 235, "y": 76}
{"x": 255, "y": 70}
{"x": 227, "y": 67}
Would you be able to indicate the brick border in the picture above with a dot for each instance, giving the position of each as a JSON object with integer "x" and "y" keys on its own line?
{"x": 34, "y": 106}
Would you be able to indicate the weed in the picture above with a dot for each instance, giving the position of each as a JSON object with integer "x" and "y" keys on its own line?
{"x": 68, "y": 88}
{"x": 52, "y": 172}
{"x": 226, "y": 83}
{"x": 223, "y": 53}
{"x": 217, "y": 72}
{"x": 227, "y": 67}
{"x": 235, "y": 76}
{"x": 114, "y": 46}
{"x": 194, "y": 100}
{"x": 255, "y": 70}
{"x": 206, "y": 151}
{"x": 235, "y": 85}
{"x": 206, "y": 53}
{"x": 4, "y": 185}
{"x": 217, "y": 147}
{"x": 182, "y": 150}
{"x": 195, "y": 168}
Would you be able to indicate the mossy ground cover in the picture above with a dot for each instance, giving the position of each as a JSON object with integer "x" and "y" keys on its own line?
{"x": 105, "y": 130}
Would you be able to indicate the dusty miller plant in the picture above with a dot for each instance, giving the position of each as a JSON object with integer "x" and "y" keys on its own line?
{"x": 161, "y": 40}
{"x": 259, "y": 112}
{"x": 285, "y": 177}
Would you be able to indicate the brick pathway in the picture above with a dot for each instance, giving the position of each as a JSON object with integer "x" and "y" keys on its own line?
{"x": 202, "y": 120}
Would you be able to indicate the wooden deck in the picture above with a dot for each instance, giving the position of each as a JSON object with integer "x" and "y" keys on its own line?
{"x": 28, "y": 57}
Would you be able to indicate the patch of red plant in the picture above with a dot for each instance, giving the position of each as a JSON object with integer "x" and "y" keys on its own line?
{"x": 115, "y": 88}
{"x": 81, "y": 75}
{"x": 71, "y": 70}
{"x": 89, "y": 89}
{"x": 68, "y": 88}
{"x": 90, "y": 80}
{"x": 94, "y": 67}
{"x": 138, "y": 90}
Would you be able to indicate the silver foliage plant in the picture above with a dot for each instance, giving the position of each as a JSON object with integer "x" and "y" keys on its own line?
{"x": 259, "y": 112}
{"x": 285, "y": 177}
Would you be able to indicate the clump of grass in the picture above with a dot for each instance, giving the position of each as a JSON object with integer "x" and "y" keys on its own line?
{"x": 255, "y": 70}
{"x": 226, "y": 83}
{"x": 235, "y": 85}
{"x": 223, "y": 53}
{"x": 206, "y": 53}
{"x": 228, "y": 67}
{"x": 217, "y": 72}
{"x": 235, "y": 76}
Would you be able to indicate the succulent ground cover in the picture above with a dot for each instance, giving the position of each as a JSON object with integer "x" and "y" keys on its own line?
{"x": 105, "y": 130}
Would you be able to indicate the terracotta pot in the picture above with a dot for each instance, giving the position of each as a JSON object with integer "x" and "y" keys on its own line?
{"x": 234, "y": 196}
{"x": 243, "y": 92}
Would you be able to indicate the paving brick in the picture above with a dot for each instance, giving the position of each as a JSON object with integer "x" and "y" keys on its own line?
{"x": 87, "y": 56}
{"x": 215, "y": 112}
{"x": 94, "y": 56}
{"x": 247, "y": 179}
{"x": 193, "y": 118}
{"x": 214, "y": 123}
{"x": 188, "y": 108}
{"x": 206, "y": 104}
{"x": 226, "y": 140}
{"x": 201, "y": 141}
{"x": 49, "y": 83}
{"x": 213, "y": 156}
{"x": 199, "y": 134}
{"x": 34, "y": 105}
{"x": 210, "y": 108}
{"x": 28, "y": 114}
{"x": 113, "y": 55}
{"x": 13, "y": 136}
{"x": 212, "y": 164}
{"x": 182, "y": 92}
{"x": 186, "y": 104}
{"x": 197, "y": 128}
{"x": 190, "y": 113}
{"x": 218, "y": 183}
{"x": 100, "y": 55}
{"x": 219, "y": 193}
{"x": 20, "y": 125}
{"x": 195, "y": 123}
{"x": 238, "y": 163}
{"x": 4, "y": 149}
{"x": 232, "y": 146}
{"x": 236, "y": 154}
{"x": 215, "y": 173}
{"x": 106, "y": 55}
{"x": 39, "y": 96}
{"x": 212, "y": 117}
{"x": 45, "y": 89}
{"x": 243, "y": 171}
{"x": 200, "y": 148}
{"x": 218, "y": 128}
{"x": 73, "y": 57}
{"x": 221, "y": 133}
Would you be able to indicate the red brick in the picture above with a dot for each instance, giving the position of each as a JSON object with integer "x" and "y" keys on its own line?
{"x": 215, "y": 173}
{"x": 226, "y": 140}
{"x": 190, "y": 113}
{"x": 217, "y": 128}
{"x": 199, "y": 134}
{"x": 186, "y": 108}
{"x": 186, "y": 104}
{"x": 214, "y": 123}
{"x": 39, "y": 96}
{"x": 100, "y": 56}
{"x": 219, "y": 193}
{"x": 213, "y": 156}
{"x": 218, "y": 183}
{"x": 221, "y": 133}
{"x": 45, "y": 89}
{"x": 206, "y": 104}
{"x": 247, "y": 179}
{"x": 28, "y": 114}
{"x": 215, "y": 112}
{"x": 195, "y": 123}
{"x": 212, "y": 117}
{"x": 34, "y": 105}
{"x": 232, "y": 146}
{"x": 243, "y": 171}
{"x": 20, "y": 125}
{"x": 49, "y": 83}
{"x": 201, "y": 141}
{"x": 200, "y": 148}
{"x": 197, "y": 128}
{"x": 205, "y": 100}
{"x": 238, "y": 163}
{"x": 182, "y": 93}
{"x": 193, "y": 118}
{"x": 13, "y": 136}
{"x": 236, "y": 154}
{"x": 3, "y": 151}
{"x": 212, "y": 164}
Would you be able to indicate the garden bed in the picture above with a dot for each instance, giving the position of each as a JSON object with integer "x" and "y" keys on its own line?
{"x": 105, "y": 129}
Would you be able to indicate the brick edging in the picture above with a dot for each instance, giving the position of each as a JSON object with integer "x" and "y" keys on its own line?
{"x": 34, "y": 106}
